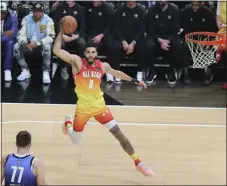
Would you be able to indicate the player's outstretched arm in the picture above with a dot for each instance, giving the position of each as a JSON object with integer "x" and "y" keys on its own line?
{"x": 121, "y": 75}
{"x": 3, "y": 161}
{"x": 63, "y": 54}
{"x": 40, "y": 173}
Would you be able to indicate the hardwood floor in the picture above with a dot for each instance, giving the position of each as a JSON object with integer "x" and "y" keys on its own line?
{"x": 183, "y": 145}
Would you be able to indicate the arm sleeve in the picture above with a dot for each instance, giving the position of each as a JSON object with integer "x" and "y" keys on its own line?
{"x": 150, "y": 24}
{"x": 176, "y": 23}
{"x": 108, "y": 19}
{"x": 21, "y": 36}
{"x": 82, "y": 29}
{"x": 182, "y": 22}
{"x": 14, "y": 28}
{"x": 50, "y": 33}
{"x": 142, "y": 26}
{"x": 212, "y": 26}
{"x": 56, "y": 16}
{"x": 117, "y": 23}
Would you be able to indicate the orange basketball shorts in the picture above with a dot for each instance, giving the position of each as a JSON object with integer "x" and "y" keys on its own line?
{"x": 103, "y": 116}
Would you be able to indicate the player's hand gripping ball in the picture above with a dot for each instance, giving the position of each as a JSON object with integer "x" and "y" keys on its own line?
{"x": 68, "y": 24}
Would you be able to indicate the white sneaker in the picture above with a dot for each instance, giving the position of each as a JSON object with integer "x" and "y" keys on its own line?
{"x": 64, "y": 73}
{"x": 109, "y": 78}
{"x": 118, "y": 81}
{"x": 139, "y": 76}
{"x": 24, "y": 84}
{"x": 46, "y": 77}
{"x": 8, "y": 76}
{"x": 25, "y": 74}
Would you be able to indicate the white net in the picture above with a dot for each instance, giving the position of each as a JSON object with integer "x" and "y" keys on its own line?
{"x": 202, "y": 55}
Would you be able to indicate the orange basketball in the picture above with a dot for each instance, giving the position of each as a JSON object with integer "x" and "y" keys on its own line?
{"x": 69, "y": 24}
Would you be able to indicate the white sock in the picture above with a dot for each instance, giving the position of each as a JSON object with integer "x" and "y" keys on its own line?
{"x": 110, "y": 124}
{"x": 139, "y": 73}
{"x": 74, "y": 136}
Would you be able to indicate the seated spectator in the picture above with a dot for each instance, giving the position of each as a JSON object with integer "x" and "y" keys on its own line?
{"x": 130, "y": 20}
{"x": 54, "y": 5}
{"x": 99, "y": 23}
{"x": 76, "y": 40}
{"x": 212, "y": 5}
{"x": 9, "y": 28}
{"x": 163, "y": 25}
{"x": 197, "y": 18}
{"x": 37, "y": 33}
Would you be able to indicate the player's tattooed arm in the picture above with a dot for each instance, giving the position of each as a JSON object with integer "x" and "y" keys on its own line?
{"x": 125, "y": 143}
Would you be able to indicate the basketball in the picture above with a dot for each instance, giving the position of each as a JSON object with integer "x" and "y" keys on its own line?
{"x": 69, "y": 24}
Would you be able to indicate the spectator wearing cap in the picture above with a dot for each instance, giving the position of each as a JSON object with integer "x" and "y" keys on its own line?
{"x": 37, "y": 33}
{"x": 9, "y": 29}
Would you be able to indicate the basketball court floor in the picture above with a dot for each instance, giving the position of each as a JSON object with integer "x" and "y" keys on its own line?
{"x": 183, "y": 140}
{"x": 188, "y": 149}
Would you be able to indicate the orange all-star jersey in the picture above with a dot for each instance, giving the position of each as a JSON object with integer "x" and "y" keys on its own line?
{"x": 89, "y": 93}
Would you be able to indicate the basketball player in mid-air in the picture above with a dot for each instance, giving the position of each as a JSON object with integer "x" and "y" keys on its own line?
{"x": 22, "y": 169}
{"x": 87, "y": 73}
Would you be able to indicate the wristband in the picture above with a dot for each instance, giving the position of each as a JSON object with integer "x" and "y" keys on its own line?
{"x": 134, "y": 80}
{"x": 134, "y": 42}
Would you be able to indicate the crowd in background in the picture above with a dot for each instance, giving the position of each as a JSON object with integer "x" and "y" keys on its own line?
{"x": 141, "y": 29}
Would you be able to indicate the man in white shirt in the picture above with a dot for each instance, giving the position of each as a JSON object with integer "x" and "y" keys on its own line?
{"x": 37, "y": 32}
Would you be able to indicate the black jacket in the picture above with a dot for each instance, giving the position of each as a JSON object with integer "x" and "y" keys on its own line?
{"x": 129, "y": 23}
{"x": 202, "y": 20}
{"x": 99, "y": 19}
{"x": 77, "y": 11}
{"x": 165, "y": 25}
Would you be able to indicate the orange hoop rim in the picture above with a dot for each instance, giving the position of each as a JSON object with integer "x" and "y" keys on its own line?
{"x": 208, "y": 43}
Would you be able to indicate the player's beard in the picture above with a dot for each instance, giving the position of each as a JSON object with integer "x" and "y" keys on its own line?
{"x": 89, "y": 61}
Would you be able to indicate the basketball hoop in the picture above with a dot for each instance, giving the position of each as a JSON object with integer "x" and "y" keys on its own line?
{"x": 203, "y": 46}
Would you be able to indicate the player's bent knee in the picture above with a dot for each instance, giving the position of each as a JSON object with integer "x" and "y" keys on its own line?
{"x": 110, "y": 124}
{"x": 78, "y": 128}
